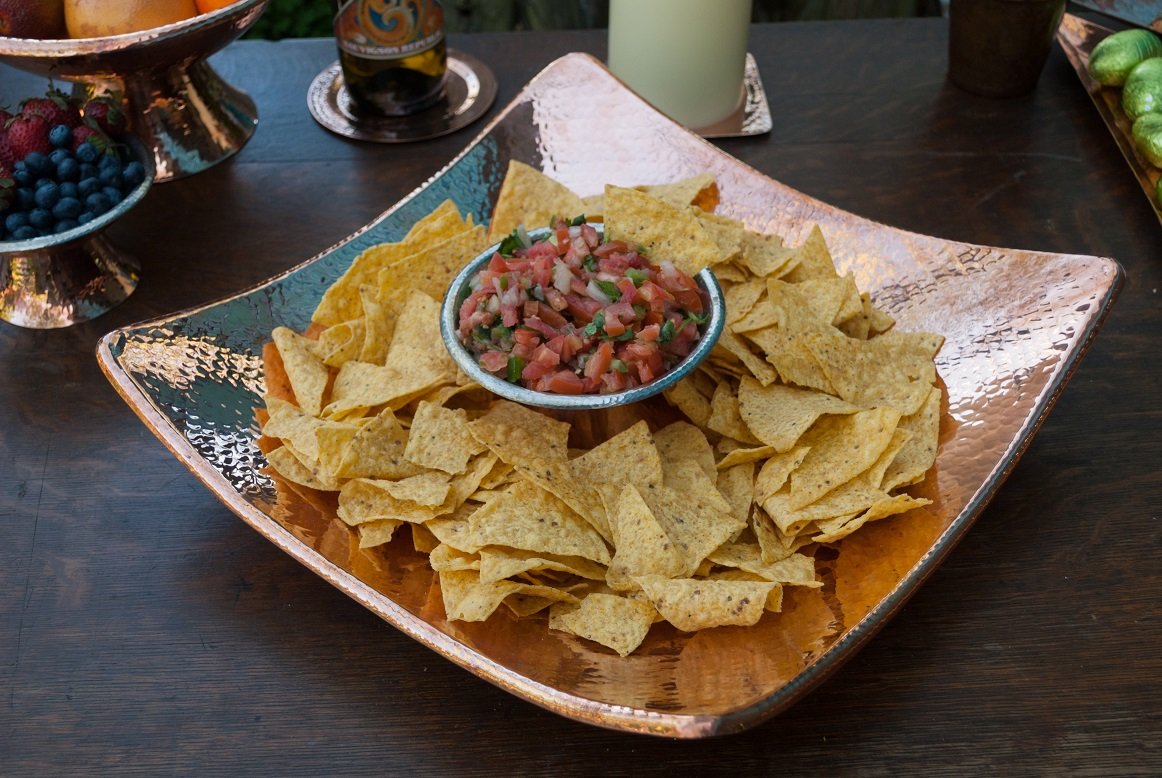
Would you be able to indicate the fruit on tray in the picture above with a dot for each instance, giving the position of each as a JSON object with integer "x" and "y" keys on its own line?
{"x": 26, "y": 19}
{"x": 63, "y": 163}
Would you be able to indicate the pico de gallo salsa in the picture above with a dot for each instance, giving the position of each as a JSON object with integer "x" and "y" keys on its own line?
{"x": 572, "y": 313}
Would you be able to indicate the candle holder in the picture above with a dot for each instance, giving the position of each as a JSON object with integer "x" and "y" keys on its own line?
{"x": 179, "y": 107}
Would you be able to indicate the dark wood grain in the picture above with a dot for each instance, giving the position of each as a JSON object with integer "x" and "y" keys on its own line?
{"x": 144, "y": 629}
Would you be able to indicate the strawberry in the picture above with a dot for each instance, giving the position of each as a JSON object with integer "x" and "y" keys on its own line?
{"x": 88, "y": 134}
{"x": 106, "y": 114}
{"x": 55, "y": 107}
{"x": 7, "y": 158}
{"x": 27, "y": 134}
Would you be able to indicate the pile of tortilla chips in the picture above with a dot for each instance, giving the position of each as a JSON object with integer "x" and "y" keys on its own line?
{"x": 805, "y": 422}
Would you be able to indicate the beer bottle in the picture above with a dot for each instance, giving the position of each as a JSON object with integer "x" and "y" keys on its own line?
{"x": 393, "y": 54}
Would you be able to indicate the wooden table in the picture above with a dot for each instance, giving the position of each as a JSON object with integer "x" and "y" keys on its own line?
{"x": 144, "y": 628}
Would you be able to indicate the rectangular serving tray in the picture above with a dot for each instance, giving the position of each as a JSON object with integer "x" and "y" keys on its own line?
{"x": 1016, "y": 324}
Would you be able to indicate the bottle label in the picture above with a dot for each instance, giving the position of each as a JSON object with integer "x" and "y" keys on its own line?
{"x": 388, "y": 29}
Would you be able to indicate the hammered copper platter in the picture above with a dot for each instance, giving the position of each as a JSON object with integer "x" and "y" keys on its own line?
{"x": 1016, "y": 322}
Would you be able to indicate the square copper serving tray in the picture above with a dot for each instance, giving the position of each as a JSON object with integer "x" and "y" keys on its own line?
{"x": 1016, "y": 323}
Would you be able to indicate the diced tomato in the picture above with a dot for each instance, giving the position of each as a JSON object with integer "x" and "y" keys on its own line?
{"x": 613, "y": 325}
{"x": 651, "y": 293}
{"x": 535, "y": 323}
{"x": 534, "y": 372}
{"x": 599, "y": 362}
{"x": 494, "y": 361}
{"x": 589, "y": 234}
{"x": 562, "y": 382}
{"x": 546, "y": 356}
{"x": 611, "y": 247}
{"x": 542, "y": 250}
{"x": 614, "y": 381}
{"x": 555, "y": 299}
{"x": 650, "y": 332}
{"x": 582, "y": 308}
{"x": 552, "y": 318}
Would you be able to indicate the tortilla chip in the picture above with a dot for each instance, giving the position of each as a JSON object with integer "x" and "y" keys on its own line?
{"x": 620, "y": 623}
{"x": 778, "y": 415}
{"x": 307, "y": 374}
{"x": 641, "y": 545}
{"x": 529, "y": 518}
{"x": 894, "y": 369}
{"x": 691, "y": 604}
{"x": 916, "y": 457}
{"x": 530, "y": 198}
{"x": 812, "y": 259}
{"x": 724, "y": 416}
{"x": 498, "y": 562}
{"x": 377, "y": 450}
{"x": 521, "y": 436}
{"x": 440, "y": 439}
{"x": 680, "y": 441}
{"x": 342, "y": 301}
{"x": 842, "y": 447}
{"x": 663, "y": 231}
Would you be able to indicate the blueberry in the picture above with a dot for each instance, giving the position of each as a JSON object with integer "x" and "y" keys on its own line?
{"x": 25, "y": 233}
{"x": 47, "y": 194}
{"x": 134, "y": 173}
{"x": 25, "y": 199}
{"x": 89, "y": 170}
{"x": 114, "y": 195}
{"x": 112, "y": 177}
{"x": 68, "y": 170}
{"x": 56, "y": 156}
{"x": 67, "y": 208}
{"x": 61, "y": 136}
{"x": 64, "y": 225}
{"x": 15, "y": 221}
{"x": 87, "y": 153}
{"x": 88, "y": 186}
{"x": 21, "y": 174}
{"x": 37, "y": 164}
{"x": 70, "y": 189}
{"x": 97, "y": 203}
{"x": 109, "y": 161}
{"x": 41, "y": 218}
{"x": 86, "y": 217}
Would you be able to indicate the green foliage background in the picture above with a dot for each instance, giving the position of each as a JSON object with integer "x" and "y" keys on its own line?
{"x": 312, "y": 18}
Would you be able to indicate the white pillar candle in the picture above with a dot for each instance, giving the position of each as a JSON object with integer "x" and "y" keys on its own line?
{"x": 686, "y": 57}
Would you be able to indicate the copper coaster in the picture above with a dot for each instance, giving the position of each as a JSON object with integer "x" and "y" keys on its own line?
{"x": 470, "y": 90}
{"x": 753, "y": 116}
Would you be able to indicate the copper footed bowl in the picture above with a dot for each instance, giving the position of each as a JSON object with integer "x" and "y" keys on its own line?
{"x": 178, "y": 106}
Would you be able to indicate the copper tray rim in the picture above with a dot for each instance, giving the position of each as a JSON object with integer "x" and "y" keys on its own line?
{"x": 605, "y": 715}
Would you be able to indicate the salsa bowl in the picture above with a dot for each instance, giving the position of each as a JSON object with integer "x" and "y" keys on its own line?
{"x": 712, "y": 303}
